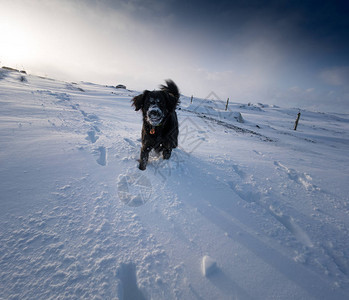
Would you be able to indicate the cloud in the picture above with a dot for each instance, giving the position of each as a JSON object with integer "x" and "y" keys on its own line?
{"x": 315, "y": 99}
{"x": 338, "y": 76}
{"x": 245, "y": 52}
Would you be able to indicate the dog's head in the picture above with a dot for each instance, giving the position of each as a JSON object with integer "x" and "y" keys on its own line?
{"x": 156, "y": 105}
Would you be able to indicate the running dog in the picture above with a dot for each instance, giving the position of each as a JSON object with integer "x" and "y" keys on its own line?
{"x": 160, "y": 123}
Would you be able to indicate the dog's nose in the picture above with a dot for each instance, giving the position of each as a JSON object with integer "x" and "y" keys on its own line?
{"x": 154, "y": 113}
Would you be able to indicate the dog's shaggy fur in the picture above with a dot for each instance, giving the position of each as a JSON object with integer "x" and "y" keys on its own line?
{"x": 160, "y": 124}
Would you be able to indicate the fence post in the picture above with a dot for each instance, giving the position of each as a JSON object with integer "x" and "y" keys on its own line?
{"x": 297, "y": 120}
{"x": 226, "y": 106}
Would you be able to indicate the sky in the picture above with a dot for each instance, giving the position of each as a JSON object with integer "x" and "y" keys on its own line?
{"x": 287, "y": 53}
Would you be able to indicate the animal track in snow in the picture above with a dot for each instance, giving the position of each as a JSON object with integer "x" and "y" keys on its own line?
{"x": 129, "y": 286}
{"x": 61, "y": 97}
{"x": 301, "y": 178}
{"x": 102, "y": 160}
{"x": 339, "y": 258}
{"x": 289, "y": 224}
{"x": 258, "y": 153}
{"x": 75, "y": 106}
{"x": 247, "y": 192}
{"x": 89, "y": 117}
{"x": 91, "y": 136}
{"x": 239, "y": 171}
{"x": 92, "y": 119}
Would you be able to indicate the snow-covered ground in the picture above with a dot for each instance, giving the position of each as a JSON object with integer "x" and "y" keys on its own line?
{"x": 246, "y": 208}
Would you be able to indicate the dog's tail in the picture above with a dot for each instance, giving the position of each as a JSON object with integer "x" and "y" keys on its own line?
{"x": 172, "y": 89}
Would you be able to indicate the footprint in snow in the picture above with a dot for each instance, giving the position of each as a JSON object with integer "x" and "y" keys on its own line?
{"x": 129, "y": 286}
{"x": 91, "y": 136}
{"x": 89, "y": 117}
{"x": 102, "y": 159}
{"x": 238, "y": 171}
{"x": 247, "y": 192}
{"x": 291, "y": 226}
{"x": 298, "y": 177}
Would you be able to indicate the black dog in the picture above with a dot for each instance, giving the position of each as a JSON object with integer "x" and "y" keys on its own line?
{"x": 160, "y": 124}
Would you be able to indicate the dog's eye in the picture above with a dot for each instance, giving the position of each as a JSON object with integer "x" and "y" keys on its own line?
{"x": 154, "y": 101}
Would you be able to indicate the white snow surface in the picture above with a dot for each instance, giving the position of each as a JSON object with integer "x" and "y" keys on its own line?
{"x": 79, "y": 220}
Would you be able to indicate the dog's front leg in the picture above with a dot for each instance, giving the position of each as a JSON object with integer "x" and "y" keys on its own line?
{"x": 167, "y": 149}
{"x": 144, "y": 158}
{"x": 166, "y": 153}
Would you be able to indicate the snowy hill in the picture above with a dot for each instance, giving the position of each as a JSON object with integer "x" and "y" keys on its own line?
{"x": 246, "y": 208}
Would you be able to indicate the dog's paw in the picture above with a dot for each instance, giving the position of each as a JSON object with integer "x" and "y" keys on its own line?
{"x": 166, "y": 154}
{"x": 143, "y": 161}
{"x": 142, "y": 167}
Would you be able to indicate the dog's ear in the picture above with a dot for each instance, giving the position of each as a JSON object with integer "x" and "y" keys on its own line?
{"x": 138, "y": 101}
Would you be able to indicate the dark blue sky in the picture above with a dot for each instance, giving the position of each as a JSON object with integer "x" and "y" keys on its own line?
{"x": 313, "y": 32}
{"x": 303, "y": 46}
{"x": 278, "y": 52}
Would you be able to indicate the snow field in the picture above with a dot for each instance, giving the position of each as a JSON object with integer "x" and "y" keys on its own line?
{"x": 242, "y": 210}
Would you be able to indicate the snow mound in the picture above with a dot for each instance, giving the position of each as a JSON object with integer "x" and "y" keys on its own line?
{"x": 209, "y": 266}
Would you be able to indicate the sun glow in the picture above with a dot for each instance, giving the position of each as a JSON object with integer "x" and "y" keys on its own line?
{"x": 17, "y": 44}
